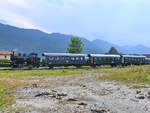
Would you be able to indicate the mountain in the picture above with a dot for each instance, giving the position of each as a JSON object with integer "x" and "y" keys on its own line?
{"x": 30, "y": 40}
{"x": 106, "y": 45}
{"x": 139, "y": 49}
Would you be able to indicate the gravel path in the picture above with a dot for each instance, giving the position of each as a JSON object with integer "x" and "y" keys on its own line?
{"x": 81, "y": 94}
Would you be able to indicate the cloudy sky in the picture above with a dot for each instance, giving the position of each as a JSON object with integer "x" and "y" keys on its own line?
{"x": 122, "y": 22}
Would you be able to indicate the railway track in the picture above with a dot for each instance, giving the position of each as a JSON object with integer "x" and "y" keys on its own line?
{"x": 20, "y": 69}
{"x": 58, "y": 68}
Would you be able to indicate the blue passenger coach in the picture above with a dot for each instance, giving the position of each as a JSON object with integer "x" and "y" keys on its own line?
{"x": 133, "y": 60}
{"x": 102, "y": 59}
{"x": 65, "y": 59}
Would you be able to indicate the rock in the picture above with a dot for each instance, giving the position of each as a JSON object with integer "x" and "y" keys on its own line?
{"x": 62, "y": 94}
{"x": 100, "y": 110}
{"x": 82, "y": 104}
{"x": 72, "y": 99}
{"x": 135, "y": 100}
{"x": 148, "y": 96}
{"x": 54, "y": 95}
{"x": 138, "y": 91}
{"x": 54, "y": 91}
{"x": 84, "y": 86}
{"x": 43, "y": 94}
{"x": 140, "y": 97}
{"x": 148, "y": 92}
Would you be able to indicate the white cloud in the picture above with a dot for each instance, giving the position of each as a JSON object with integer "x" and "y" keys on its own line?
{"x": 11, "y": 13}
{"x": 115, "y": 19}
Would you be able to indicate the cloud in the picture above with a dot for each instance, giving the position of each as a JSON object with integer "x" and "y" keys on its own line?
{"x": 11, "y": 13}
{"x": 116, "y": 21}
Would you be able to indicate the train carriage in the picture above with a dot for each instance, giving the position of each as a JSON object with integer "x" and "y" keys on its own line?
{"x": 101, "y": 59}
{"x": 147, "y": 61}
{"x": 133, "y": 60}
{"x": 65, "y": 59}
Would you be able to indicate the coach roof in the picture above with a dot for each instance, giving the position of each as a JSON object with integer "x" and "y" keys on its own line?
{"x": 103, "y": 55}
{"x": 132, "y": 56}
{"x": 64, "y": 54}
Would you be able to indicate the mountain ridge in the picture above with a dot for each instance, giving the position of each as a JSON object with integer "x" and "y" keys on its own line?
{"x": 33, "y": 40}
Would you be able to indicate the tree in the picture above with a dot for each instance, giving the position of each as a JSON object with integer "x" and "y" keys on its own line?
{"x": 113, "y": 50}
{"x": 75, "y": 46}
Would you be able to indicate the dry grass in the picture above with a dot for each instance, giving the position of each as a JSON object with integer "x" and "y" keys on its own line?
{"x": 9, "y": 80}
{"x": 132, "y": 74}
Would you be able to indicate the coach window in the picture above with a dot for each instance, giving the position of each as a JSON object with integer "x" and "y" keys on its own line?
{"x": 67, "y": 58}
{"x": 57, "y": 58}
{"x": 72, "y": 58}
{"x": 77, "y": 58}
{"x": 62, "y": 58}
{"x": 50, "y": 58}
{"x": 81, "y": 58}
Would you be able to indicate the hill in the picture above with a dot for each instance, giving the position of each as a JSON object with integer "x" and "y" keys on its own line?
{"x": 30, "y": 40}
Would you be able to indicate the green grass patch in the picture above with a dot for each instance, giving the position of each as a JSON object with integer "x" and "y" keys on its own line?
{"x": 134, "y": 74}
{"x": 41, "y": 72}
{"x": 7, "y": 97}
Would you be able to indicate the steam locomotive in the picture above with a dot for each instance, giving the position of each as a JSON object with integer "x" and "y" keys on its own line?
{"x": 23, "y": 60}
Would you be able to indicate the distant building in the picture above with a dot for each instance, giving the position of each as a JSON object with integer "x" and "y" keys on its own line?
{"x": 5, "y": 54}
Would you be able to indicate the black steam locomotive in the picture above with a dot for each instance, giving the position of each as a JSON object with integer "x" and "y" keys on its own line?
{"x": 23, "y": 60}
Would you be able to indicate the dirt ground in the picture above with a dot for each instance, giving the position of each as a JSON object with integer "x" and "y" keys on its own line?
{"x": 80, "y": 94}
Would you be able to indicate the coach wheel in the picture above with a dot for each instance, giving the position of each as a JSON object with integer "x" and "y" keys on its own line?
{"x": 20, "y": 66}
{"x": 30, "y": 67}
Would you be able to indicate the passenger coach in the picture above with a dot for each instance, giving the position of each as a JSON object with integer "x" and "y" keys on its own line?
{"x": 133, "y": 60}
{"x": 65, "y": 59}
{"x": 101, "y": 59}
